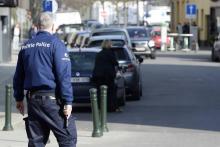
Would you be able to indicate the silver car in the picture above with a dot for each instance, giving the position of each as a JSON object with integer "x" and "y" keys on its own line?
{"x": 113, "y": 31}
{"x": 142, "y": 44}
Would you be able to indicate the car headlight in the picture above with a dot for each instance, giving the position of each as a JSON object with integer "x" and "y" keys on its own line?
{"x": 151, "y": 43}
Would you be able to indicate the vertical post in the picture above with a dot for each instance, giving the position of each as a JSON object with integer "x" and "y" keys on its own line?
{"x": 137, "y": 1}
{"x": 97, "y": 132}
{"x": 164, "y": 37}
{"x": 8, "y": 126}
{"x": 103, "y": 89}
{"x": 125, "y": 13}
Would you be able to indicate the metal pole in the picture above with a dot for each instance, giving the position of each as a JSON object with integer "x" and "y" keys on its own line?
{"x": 103, "y": 89}
{"x": 138, "y": 23}
{"x": 97, "y": 132}
{"x": 8, "y": 126}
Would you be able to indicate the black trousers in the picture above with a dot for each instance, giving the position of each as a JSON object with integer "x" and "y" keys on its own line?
{"x": 44, "y": 114}
{"x": 112, "y": 103}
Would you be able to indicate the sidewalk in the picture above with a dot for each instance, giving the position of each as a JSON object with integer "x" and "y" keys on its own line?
{"x": 17, "y": 137}
{"x": 114, "y": 138}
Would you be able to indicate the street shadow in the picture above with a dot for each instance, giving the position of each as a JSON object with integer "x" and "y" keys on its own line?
{"x": 186, "y": 56}
{"x": 173, "y": 96}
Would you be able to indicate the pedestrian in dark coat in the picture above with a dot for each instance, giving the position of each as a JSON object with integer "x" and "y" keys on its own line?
{"x": 104, "y": 73}
{"x": 44, "y": 71}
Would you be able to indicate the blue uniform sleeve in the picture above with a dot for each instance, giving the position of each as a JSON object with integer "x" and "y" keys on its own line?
{"x": 18, "y": 80}
{"x": 63, "y": 72}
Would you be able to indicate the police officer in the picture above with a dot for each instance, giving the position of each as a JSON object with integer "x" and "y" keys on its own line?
{"x": 104, "y": 73}
{"x": 44, "y": 70}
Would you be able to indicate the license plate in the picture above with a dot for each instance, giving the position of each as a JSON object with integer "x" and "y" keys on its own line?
{"x": 140, "y": 48}
{"x": 80, "y": 79}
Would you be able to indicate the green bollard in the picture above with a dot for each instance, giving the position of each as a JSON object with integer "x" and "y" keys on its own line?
{"x": 8, "y": 126}
{"x": 103, "y": 106}
{"x": 97, "y": 132}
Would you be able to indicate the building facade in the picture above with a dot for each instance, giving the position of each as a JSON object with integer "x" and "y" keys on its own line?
{"x": 202, "y": 20}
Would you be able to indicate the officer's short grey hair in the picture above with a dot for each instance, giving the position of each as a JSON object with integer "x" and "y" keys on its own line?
{"x": 46, "y": 20}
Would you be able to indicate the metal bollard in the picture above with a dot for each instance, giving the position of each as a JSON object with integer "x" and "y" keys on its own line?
{"x": 8, "y": 126}
{"x": 103, "y": 106}
{"x": 97, "y": 132}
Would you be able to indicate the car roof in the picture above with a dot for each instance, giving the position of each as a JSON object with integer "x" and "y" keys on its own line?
{"x": 109, "y": 37}
{"x": 108, "y": 29}
{"x": 136, "y": 27}
{"x": 93, "y": 49}
{"x": 83, "y": 32}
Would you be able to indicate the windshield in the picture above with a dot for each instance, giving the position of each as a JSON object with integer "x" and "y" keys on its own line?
{"x": 115, "y": 43}
{"x": 138, "y": 33}
{"x": 108, "y": 33}
{"x": 121, "y": 54}
{"x": 82, "y": 61}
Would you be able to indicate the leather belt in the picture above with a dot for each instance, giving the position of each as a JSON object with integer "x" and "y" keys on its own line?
{"x": 42, "y": 97}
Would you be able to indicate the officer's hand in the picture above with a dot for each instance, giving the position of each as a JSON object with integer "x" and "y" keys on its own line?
{"x": 67, "y": 110}
{"x": 20, "y": 107}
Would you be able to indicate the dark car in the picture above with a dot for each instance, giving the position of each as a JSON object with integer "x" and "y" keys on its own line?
{"x": 83, "y": 61}
{"x": 113, "y": 31}
{"x": 66, "y": 29}
{"x": 142, "y": 43}
{"x": 215, "y": 56}
{"x": 127, "y": 60}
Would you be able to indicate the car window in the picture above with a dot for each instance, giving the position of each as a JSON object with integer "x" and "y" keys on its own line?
{"x": 109, "y": 33}
{"x": 96, "y": 43}
{"x": 138, "y": 33}
{"x": 131, "y": 55}
{"x": 82, "y": 61}
{"x": 115, "y": 43}
{"x": 121, "y": 54}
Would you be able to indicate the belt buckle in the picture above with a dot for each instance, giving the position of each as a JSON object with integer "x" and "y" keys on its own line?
{"x": 51, "y": 97}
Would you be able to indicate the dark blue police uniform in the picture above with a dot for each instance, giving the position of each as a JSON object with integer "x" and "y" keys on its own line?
{"x": 44, "y": 70}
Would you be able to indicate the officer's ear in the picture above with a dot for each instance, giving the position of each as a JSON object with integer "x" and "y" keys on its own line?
{"x": 53, "y": 28}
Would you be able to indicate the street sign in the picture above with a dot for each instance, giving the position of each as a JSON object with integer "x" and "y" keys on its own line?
{"x": 191, "y": 11}
{"x": 50, "y": 6}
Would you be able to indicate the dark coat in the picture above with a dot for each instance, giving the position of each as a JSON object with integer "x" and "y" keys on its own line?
{"x": 105, "y": 64}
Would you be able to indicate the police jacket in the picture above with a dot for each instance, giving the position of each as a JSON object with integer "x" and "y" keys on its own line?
{"x": 105, "y": 64}
{"x": 43, "y": 64}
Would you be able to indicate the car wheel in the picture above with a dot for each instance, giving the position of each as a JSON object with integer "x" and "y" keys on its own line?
{"x": 213, "y": 57}
{"x": 153, "y": 56}
{"x": 122, "y": 99}
{"x": 137, "y": 93}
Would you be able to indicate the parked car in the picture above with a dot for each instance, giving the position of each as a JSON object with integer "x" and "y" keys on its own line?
{"x": 156, "y": 35}
{"x": 127, "y": 61}
{"x": 66, "y": 29}
{"x": 117, "y": 40}
{"x": 113, "y": 31}
{"x": 215, "y": 55}
{"x": 81, "y": 40}
{"x": 83, "y": 61}
{"x": 142, "y": 43}
{"x": 77, "y": 39}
